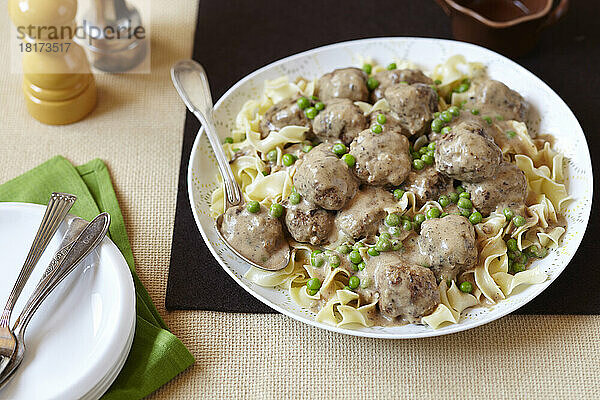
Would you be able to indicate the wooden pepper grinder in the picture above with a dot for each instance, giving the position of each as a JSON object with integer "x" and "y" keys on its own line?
{"x": 58, "y": 84}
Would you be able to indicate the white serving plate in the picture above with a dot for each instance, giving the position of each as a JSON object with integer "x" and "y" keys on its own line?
{"x": 556, "y": 118}
{"x": 79, "y": 338}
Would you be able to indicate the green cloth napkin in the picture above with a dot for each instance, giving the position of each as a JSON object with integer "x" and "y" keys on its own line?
{"x": 156, "y": 354}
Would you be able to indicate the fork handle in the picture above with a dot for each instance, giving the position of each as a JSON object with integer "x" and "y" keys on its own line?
{"x": 67, "y": 260}
{"x": 58, "y": 207}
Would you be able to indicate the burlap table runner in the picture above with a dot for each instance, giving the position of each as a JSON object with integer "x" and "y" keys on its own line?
{"x": 137, "y": 130}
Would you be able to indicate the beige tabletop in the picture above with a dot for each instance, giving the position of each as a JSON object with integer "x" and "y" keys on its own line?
{"x": 137, "y": 130}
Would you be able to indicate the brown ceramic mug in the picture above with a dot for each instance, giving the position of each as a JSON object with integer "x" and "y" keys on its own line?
{"x": 511, "y": 27}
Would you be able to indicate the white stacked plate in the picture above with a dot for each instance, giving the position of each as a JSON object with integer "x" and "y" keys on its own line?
{"x": 79, "y": 339}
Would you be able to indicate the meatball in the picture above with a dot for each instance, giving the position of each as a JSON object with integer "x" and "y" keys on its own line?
{"x": 391, "y": 78}
{"x": 467, "y": 153}
{"x": 508, "y": 188}
{"x": 257, "y": 236}
{"x": 427, "y": 184}
{"x": 409, "y": 292}
{"x": 392, "y": 121}
{"x": 308, "y": 223}
{"x": 323, "y": 179}
{"x": 340, "y": 120}
{"x": 381, "y": 159}
{"x": 283, "y": 114}
{"x": 495, "y": 98}
{"x": 345, "y": 83}
{"x": 414, "y": 106}
{"x": 448, "y": 245}
{"x": 362, "y": 216}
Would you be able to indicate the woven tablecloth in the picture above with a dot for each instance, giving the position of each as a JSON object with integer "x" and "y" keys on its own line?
{"x": 137, "y": 130}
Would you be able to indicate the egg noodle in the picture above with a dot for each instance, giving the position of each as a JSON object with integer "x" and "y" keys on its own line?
{"x": 547, "y": 195}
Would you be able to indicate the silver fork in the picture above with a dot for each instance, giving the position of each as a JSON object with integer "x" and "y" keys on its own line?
{"x": 88, "y": 237}
{"x": 56, "y": 211}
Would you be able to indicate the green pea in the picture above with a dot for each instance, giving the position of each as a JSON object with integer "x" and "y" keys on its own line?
{"x": 444, "y": 200}
{"x": 518, "y": 267}
{"x": 361, "y": 265}
{"x": 315, "y": 259}
{"x": 347, "y": 288}
{"x": 460, "y": 189}
{"x": 444, "y": 214}
{"x": 358, "y": 245}
{"x": 391, "y": 66}
{"x": 437, "y": 82}
{"x": 423, "y": 150}
{"x": 376, "y": 128}
{"x": 403, "y": 83}
{"x": 315, "y": 98}
{"x": 228, "y": 139}
{"x": 253, "y": 206}
{"x": 437, "y": 125}
{"x": 344, "y": 249}
{"x": 463, "y": 87}
{"x": 392, "y": 219}
{"x": 433, "y": 213}
{"x": 419, "y": 218}
{"x": 465, "y": 203}
{"x": 488, "y": 120}
{"x": 313, "y": 284}
{"x": 295, "y": 198}
{"x": 398, "y": 193}
{"x": 445, "y": 130}
{"x": 355, "y": 257}
{"x": 349, "y": 160}
{"x": 508, "y": 214}
{"x": 436, "y": 114}
{"x": 334, "y": 260}
{"x": 446, "y": 116}
{"x": 383, "y": 244}
{"x": 272, "y": 155}
{"x": 465, "y": 213}
{"x": 319, "y": 106}
{"x": 475, "y": 218}
{"x": 381, "y": 118}
{"x": 307, "y": 147}
{"x": 427, "y": 159}
{"x": 265, "y": 173}
{"x": 367, "y": 68}
{"x": 407, "y": 225}
{"x": 415, "y": 155}
{"x": 396, "y": 245}
{"x": 340, "y": 149}
{"x": 385, "y": 235}
{"x": 303, "y": 103}
{"x": 454, "y": 197}
{"x": 288, "y": 159}
{"x": 465, "y": 195}
{"x": 354, "y": 282}
{"x": 276, "y": 210}
{"x": 455, "y": 111}
{"x": 475, "y": 111}
{"x": 511, "y": 244}
{"x": 418, "y": 164}
{"x": 311, "y": 112}
{"x": 466, "y": 287}
{"x": 511, "y": 134}
{"x": 431, "y": 146}
{"x": 518, "y": 220}
{"x": 372, "y": 83}
{"x": 373, "y": 251}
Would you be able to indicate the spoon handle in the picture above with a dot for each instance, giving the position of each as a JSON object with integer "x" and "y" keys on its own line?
{"x": 58, "y": 207}
{"x": 189, "y": 78}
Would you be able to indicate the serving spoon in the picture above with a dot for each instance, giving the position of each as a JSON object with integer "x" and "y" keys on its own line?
{"x": 189, "y": 78}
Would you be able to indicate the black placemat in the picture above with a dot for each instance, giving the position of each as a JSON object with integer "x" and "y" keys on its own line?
{"x": 234, "y": 38}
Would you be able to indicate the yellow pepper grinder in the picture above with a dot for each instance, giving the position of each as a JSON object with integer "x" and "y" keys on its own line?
{"x": 58, "y": 84}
